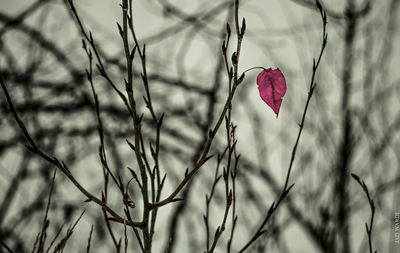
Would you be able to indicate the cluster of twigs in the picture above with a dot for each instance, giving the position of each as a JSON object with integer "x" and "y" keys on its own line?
{"x": 151, "y": 181}
{"x": 39, "y": 245}
{"x": 150, "y": 208}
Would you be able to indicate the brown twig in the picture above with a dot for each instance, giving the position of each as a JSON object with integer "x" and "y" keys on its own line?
{"x": 136, "y": 123}
{"x": 89, "y": 239}
{"x": 116, "y": 244}
{"x": 128, "y": 215}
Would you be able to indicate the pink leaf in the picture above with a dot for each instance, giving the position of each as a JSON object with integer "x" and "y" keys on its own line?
{"x": 272, "y": 88}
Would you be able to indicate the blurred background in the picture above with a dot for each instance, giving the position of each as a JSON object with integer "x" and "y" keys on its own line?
{"x": 352, "y": 125}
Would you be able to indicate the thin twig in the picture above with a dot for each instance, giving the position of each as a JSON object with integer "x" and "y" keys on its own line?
{"x": 234, "y": 216}
{"x": 210, "y": 196}
{"x": 137, "y": 124}
{"x": 55, "y": 238}
{"x": 125, "y": 238}
{"x": 369, "y": 227}
{"x": 89, "y": 239}
{"x": 61, "y": 245}
{"x": 6, "y": 247}
{"x": 128, "y": 215}
{"x": 116, "y": 244}
{"x": 45, "y": 221}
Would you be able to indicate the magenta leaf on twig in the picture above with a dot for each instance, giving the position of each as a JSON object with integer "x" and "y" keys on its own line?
{"x": 272, "y": 88}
